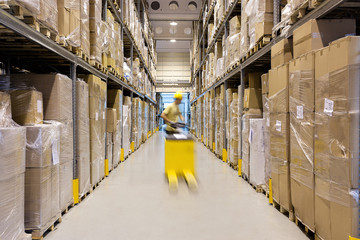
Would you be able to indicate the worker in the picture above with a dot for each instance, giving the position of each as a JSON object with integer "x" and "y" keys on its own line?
{"x": 171, "y": 113}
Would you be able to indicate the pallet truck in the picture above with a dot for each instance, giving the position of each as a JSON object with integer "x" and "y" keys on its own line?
{"x": 179, "y": 157}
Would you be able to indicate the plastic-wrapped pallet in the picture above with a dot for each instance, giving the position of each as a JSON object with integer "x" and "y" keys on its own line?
{"x": 266, "y": 115}
{"x": 42, "y": 205}
{"x": 83, "y": 137}
{"x": 109, "y": 149}
{"x": 229, "y": 99}
{"x": 103, "y": 89}
{"x": 244, "y": 37}
{"x": 220, "y": 125}
{"x": 249, "y": 114}
{"x": 336, "y": 163}
{"x": 234, "y": 131}
{"x": 5, "y": 110}
{"x": 126, "y": 125}
{"x": 12, "y": 169}
{"x": 95, "y": 30}
{"x": 57, "y": 102}
{"x": 257, "y": 152}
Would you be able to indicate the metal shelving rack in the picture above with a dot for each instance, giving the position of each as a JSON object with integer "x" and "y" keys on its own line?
{"x": 261, "y": 59}
{"x": 37, "y": 46}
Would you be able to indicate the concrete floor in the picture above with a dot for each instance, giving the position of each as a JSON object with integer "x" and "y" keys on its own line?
{"x": 134, "y": 203}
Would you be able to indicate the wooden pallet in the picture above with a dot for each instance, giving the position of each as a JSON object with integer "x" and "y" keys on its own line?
{"x": 245, "y": 177}
{"x": 263, "y": 41}
{"x": 83, "y": 197}
{"x": 233, "y": 166}
{"x": 69, "y": 205}
{"x": 98, "y": 65}
{"x": 288, "y": 213}
{"x": 299, "y": 13}
{"x": 304, "y": 228}
{"x": 49, "y": 227}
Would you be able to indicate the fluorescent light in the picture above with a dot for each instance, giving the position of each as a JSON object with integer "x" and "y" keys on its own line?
{"x": 173, "y": 40}
{"x": 173, "y": 23}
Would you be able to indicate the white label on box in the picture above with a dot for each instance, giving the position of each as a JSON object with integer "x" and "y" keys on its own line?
{"x": 39, "y": 106}
{"x": 316, "y": 35}
{"x": 278, "y": 125}
{"x": 103, "y": 115}
{"x": 299, "y": 112}
{"x": 251, "y": 133}
{"x": 328, "y": 107}
{"x": 96, "y": 116}
{"x": 55, "y": 153}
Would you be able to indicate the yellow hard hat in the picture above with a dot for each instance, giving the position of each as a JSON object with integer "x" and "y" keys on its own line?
{"x": 178, "y": 95}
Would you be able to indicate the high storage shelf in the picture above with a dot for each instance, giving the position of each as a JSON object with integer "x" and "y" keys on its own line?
{"x": 35, "y": 52}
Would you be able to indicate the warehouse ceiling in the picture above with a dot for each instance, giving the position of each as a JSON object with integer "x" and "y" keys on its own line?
{"x": 172, "y": 21}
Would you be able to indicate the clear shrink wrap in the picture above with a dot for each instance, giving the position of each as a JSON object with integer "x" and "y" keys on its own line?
{"x": 232, "y": 49}
{"x": 42, "y": 185}
{"x": 126, "y": 125}
{"x": 48, "y": 15}
{"x": 219, "y": 67}
{"x": 95, "y": 30}
{"x": 244, "y": 36}
{"x": 234, "y": 130}
{"x": 116, "y": 139}
{"x": 279, "y": 152}
{"x": 139, "y": 122}
{"x": 249, "y": 114}
{"x": 32, "y": 8}
{"x": 83, "y": 137}
{"x": 279, "y": 89}
{"x": 219, "y": 131}
{"x": 27, "y": 106}
{"x": 257, "y": 152}
{"x": 85, "y": 26}
{"x": 5, "y": 110}
{"x": 337, "y": 139}
{"x": 266, "y": 116}
{"x": 69, "y": 21}
{"x": 103, "y": 89}
{"x": 12, "y": 168}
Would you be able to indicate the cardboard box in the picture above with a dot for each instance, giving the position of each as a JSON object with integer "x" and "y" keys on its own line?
{"x": 111, "y": 119}
{"x": 264, "y": 28}
{"x": 252, "y": 98}
{"x": 254, "y": 79}
{"x": 279, "y": 154}
{"x": 302, "y": 167}
{"x": 114, "y": 100}
{"x": 56, "y": 90}
{"x": 265, "y": 83}
{"x": 234, "y": 25}
{"x": 12, "y": 207}
{"x": 316, "y": 34}
{"x": 48, "y": 14}
{"x": 65, "y": 184}
{"x": 279, "y": 89}
{"x": 301, "y": 83}
{"x": 336, "y": 210}
{"x": 27, "y": 106}
{"x": 321, "y": 78}
{"x": 109, "y": 149}
{"x": 12, "y": 151}
{"x": 281, "y": 53}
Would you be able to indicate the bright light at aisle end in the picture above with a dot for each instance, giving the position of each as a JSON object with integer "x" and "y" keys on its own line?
{"x": 173, "y": 23}
{"x": 173, "y": 40}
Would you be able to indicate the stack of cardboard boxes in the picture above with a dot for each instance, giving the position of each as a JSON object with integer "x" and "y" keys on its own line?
{"x": 232, "y": 49}
{"x": 234, "y": 130}
{"x": 111, "y": 130}
{"x": 219, "y": 120}
{"x": 95, "y": 30}
{"x": 126, "y": 125}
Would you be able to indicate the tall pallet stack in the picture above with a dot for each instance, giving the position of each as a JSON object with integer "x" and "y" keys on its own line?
{"x": 234, "y": 130}
{"x": 126, "y": 125}
{"x": 95, "y": 31}
{"x": 219, "y": 120}
{"x": 229, "y": 99}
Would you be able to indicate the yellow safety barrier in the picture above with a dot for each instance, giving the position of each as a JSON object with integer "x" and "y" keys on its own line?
{"x": 132, "y": 147}
{"x": 239, "y": 167}
{"x": 122, "y": 158}
{"x": 224, "y": 155}
{"x": 213, "y": 147}
{"x": 106, "y": 165}
{"x": 202, "y": 138}
{"x": 270, "y": 192}
{"x": 353, "y": 238}
{"x": 76, "y": 190}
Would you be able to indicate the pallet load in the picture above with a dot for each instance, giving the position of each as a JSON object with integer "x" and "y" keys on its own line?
{"x": 245, "y": 164}
{"x": 57, "y": 103}
{"x": 266, "y": 116}
{"x": 233, "y": 44}
{"x": 260, "y": 21}
{"x": 234, "y": 131}
{"x": 126, "y": 125}
{"x": 336, "y": 139}
{"x": 244, "y": 37}
{"x": 301, "y": 108}
{"x": 219, "y": 118}
{"x": 229, "y": 99}
{"x": 114, "y": 100}
{"x": 95, "y": 32}
{"x": 257, "y": 152}
{"x": 199, "y": 118}
{"x": 212, "y": 120}
{"x": 83, "y": 137}
{"x": 280, "y": 136}
{"x": 111, "y": 129}
{"x": 281, "y": 53}
{"x": 42, "y": 192}
{"x": 95, "y": 128}
{"x": 12, "y": 174}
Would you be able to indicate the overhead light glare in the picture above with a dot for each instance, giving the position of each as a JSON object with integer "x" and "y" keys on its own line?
{"x": 173, "y": 40}
{"x": 173, "y": 23}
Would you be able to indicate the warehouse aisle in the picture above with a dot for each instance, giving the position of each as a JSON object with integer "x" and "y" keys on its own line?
{"x": 134, "y": 203}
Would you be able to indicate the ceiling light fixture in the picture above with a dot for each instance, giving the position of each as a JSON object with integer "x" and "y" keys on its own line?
{"x": 173, "y": 40}
{"x": 173, "y": 23}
